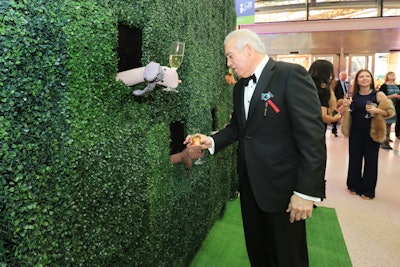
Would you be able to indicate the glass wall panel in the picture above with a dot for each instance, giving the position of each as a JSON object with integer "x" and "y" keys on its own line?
{"x": 297, "y": 10}
{"x": 281, "y": 16}
{"x": 274, "y": 11}
{"x": 334, "y": 9}
{"x": 303, "y": 60}
{"x": 390, "y": 8}
{"x": 342, "y": 13}
{"x": 328, "y": 58}
{"x": 360, "y": 62}
{"x": 387, "y": 12}
{"x": 385, "y": 62}
{"x": 334, "y": 2}
{"x": 381, "y": 67}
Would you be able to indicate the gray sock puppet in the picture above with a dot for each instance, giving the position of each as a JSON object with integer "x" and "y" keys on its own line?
{"x": 153, "y": 74}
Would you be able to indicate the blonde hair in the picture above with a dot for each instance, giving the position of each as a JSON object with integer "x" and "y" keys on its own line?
{"x": 387, "y": 74}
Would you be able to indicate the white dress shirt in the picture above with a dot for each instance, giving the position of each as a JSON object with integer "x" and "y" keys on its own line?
{"x": 249, "y": 89}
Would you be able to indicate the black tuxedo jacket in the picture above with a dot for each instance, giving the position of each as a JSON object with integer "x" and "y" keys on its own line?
{"x": 281, "y": 152}
{"x": 339, "y": 90}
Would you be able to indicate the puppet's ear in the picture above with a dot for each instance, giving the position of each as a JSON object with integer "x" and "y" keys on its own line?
{"x": 166, "y": 77}
{"x": 150, "y": 87}
{"x": 153, "y": 72}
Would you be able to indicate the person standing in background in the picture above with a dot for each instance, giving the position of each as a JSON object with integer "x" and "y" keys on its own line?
{"x": 321, "y": 72}
{"x": 281, "y": 155}
{"x": 392, "y": 91}
{"x": 364, "y": 124}
{"x": 341, "y": 88}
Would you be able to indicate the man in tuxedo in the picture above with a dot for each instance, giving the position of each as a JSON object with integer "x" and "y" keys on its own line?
{"x": 281, "y": 154}
{"x": 342, "y": 87}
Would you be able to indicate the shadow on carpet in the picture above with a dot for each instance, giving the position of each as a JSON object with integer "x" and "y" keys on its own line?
{"x": 225, "y": 246}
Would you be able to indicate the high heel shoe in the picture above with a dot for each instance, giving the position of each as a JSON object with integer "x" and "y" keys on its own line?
{"x": 365, "y": 197}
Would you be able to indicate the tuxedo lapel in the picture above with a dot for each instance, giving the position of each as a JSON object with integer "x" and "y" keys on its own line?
{"x": 262, "y": 85}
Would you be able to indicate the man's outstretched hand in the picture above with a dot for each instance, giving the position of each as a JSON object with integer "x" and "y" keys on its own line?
{"x": 205, "y": 141}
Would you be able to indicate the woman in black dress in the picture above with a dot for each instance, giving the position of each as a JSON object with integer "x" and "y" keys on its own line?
{"x": 321, "y": 72}
{"x": 365, "y": 126}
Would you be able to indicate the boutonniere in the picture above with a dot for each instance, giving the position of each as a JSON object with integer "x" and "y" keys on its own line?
{"x": 266, "y": 97}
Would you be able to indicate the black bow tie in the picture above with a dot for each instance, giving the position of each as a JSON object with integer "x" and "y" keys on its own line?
{"x": 247, "y": 80}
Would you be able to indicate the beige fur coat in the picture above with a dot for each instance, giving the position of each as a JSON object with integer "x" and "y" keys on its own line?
{"x": 378, "y": 122}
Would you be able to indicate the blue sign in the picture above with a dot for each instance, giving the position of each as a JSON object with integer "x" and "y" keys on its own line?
{"x": 245, "y": 8}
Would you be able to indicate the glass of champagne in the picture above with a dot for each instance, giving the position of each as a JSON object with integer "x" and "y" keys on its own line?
{"x": 369, "y": 104}
{"x": 348, "y": 97}
{"x": 175, "y": 59}
{"x": 196, "y": 141}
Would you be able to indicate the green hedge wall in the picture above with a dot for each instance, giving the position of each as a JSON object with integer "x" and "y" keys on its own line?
{"x": 85, "y": 172}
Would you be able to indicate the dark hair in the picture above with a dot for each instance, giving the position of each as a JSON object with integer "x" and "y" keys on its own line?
{"x": 322, "y": 73}
{"x": 357, "y": 86}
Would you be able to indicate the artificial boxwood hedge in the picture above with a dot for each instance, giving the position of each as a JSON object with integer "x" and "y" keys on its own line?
{"x": 85, "y": 175}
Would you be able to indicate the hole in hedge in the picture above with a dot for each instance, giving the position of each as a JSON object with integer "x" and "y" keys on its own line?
{"x": 129, "y": 48}
{"x": 177, "y": 134}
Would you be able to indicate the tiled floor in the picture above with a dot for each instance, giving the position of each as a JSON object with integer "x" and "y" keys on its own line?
{"x": 371, "y": 228}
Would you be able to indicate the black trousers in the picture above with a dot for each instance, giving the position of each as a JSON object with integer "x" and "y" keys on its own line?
{"x": 397, "y": 126}
{"x": 363, "y": 162}
{"x": 271, "y": 240}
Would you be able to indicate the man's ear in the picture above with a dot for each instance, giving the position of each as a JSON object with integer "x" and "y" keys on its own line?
{"x": 249, "y": 50}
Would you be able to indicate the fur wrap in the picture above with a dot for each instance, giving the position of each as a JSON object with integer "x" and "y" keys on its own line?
{"x": 346, "y": 119}
{"x": 378, "y": 122}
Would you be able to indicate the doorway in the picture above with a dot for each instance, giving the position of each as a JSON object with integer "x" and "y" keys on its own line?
{"x": 360, "y": 61}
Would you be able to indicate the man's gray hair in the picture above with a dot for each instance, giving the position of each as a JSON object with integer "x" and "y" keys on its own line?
{"x": 243, "y": 37}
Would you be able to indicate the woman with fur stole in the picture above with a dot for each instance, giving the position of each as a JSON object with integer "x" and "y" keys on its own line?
{"x": 366, "y": 128}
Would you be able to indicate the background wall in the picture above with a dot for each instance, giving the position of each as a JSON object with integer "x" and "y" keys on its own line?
{"x": 85, "y": 174}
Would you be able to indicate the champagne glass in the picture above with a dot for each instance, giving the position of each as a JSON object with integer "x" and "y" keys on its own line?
{"x": 369, "y": 104}
{"x": 196, "y": 141}
{"x": 348, "y": 97}
{"x": 175, "y": 59}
